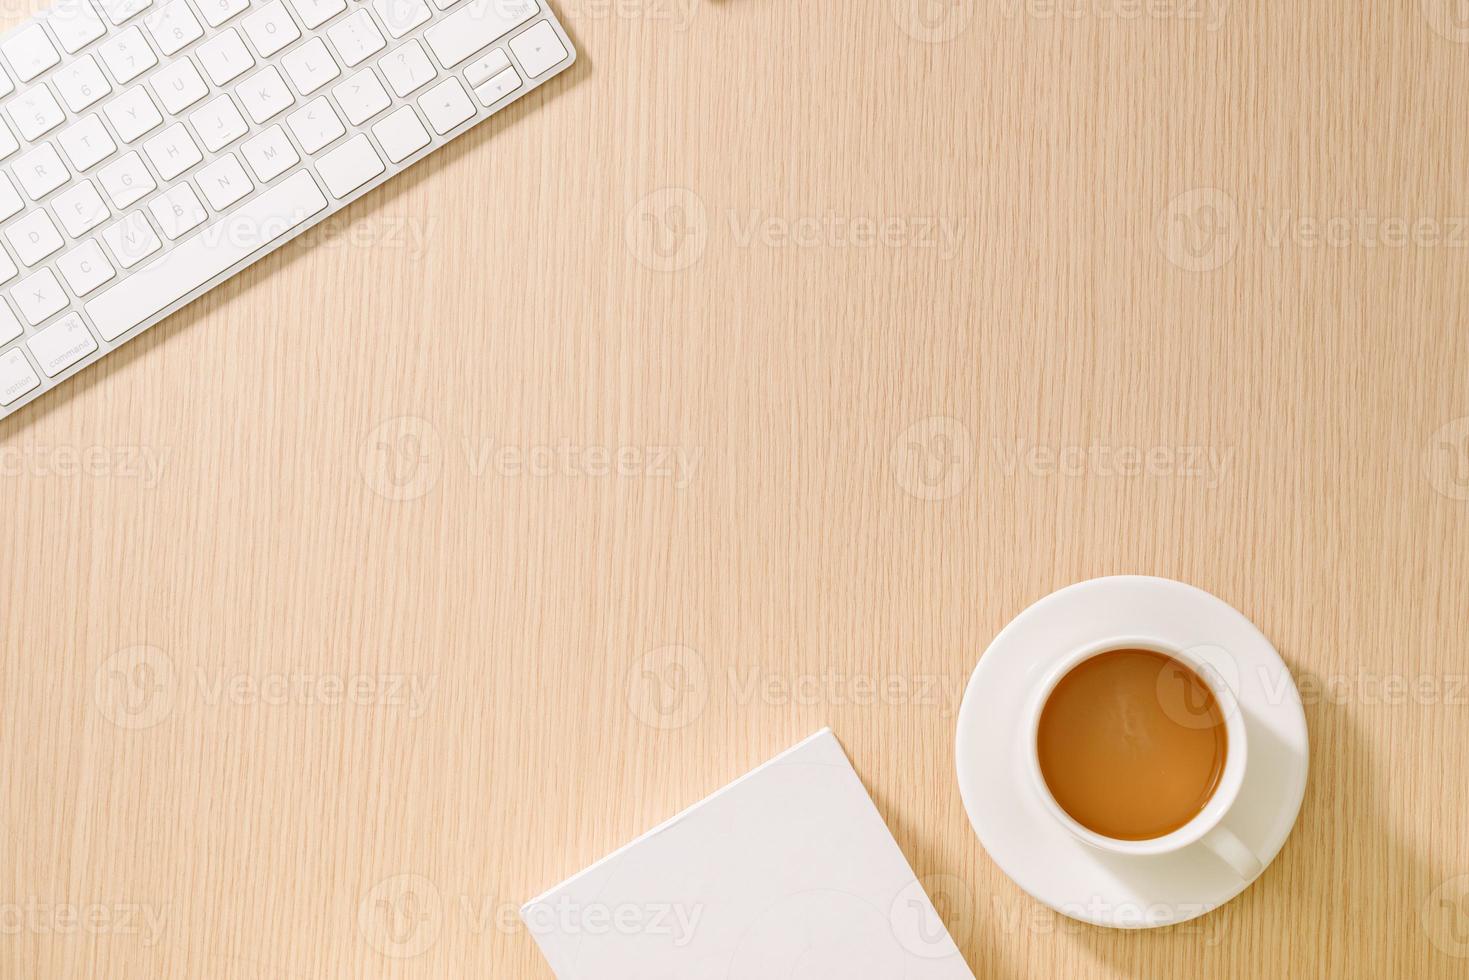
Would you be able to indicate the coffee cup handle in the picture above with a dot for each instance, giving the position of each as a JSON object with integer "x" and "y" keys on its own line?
{"x": 1232, "y": 850}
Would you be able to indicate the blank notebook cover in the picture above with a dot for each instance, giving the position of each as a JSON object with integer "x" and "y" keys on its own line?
{"x": 788, "y": 873}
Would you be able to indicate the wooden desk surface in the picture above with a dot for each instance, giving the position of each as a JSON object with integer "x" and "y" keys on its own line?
{"x": 778, "y": 355}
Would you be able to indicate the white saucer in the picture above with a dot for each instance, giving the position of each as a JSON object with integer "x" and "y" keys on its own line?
{"x": 1003, "y": 803}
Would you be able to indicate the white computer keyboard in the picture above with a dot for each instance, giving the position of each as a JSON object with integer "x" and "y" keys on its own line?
{"x": 150, "y": 149}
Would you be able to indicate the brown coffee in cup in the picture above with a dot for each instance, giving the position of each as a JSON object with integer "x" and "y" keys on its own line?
{"x": 1132, "y": 744}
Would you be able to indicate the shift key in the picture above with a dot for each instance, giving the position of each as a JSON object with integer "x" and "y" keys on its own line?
{"x": 472, "y": 27}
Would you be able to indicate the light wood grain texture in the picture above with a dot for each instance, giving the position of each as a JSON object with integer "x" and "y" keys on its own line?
{"x": 513, "y": 291}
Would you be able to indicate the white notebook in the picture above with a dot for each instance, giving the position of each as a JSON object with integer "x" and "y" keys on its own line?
{"x": 787, "y": 872}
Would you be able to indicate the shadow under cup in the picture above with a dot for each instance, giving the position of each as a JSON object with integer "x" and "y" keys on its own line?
{"x": 1132, "y": 743}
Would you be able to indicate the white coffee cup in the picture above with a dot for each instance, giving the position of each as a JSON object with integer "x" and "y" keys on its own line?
{"x": 1207, "y": 828}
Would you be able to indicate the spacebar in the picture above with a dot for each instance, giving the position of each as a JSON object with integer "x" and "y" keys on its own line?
{"x": 158, "y": 286}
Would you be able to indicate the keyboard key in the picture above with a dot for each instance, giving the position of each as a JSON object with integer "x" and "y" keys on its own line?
{"x": 8, "y": 142}
{"x": 486, "y": 67}
{"x": 81, "y": 83}
{"x": 40, "y": 172}
{"x": 178, "y": 212}
{"x": 225, "y": 57}
{"x": 476, "y": 25}
{"x": 173, "y": 151}
{"x": 132, "y": 114}
{"x": 349, "y": 166}
{"x": 407, "y": 68}
{"x": 224, "y": 182}
{"x": 75, "y": 24}
{"x": 10, "y": 326}
{"x": 87, "y": 143}
{"x": 16, "y": 375}
{"x": 401, "y": 134}
{"x": 271, "y": 28}
{"x": 264, "y": 94}
{"x": 314, "y": 13}
{"x": 10, "y": 202}
{"x": 35, "y": 112}
{"x": 85, "y": 267}
{"x": 218, "y": 123}
{"x": 174, "y": 27}
{"x": 206, "y": 255}
{"x": 131, "y": 240}
{"x": 446, "y": 105}
{"x": 361, "y": 97}
{"x": 538, "y": 49}
{"x": 216, "y": 12}
{"x": 33, "y": 237}
{"x": 178, "y": 86}
{"x": 498, "y": 87}
{"x": 121, "y": 11}
{"x": 127, "y": 55}
{"x": 62, "y": 344}
{"x": 30, "y": 52}
{"x": 80, "y": 209}
{"x": 7, "y": 267}
{"x": 39, "y": 297}
{"x": 401, "y": 16}
{"x": 126, "y": 180}
{"x": 356, "y": 38}
{"x": 310, "y": 66}
{"x": 315, "y": 125}
{"x": 270, "y": 154}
